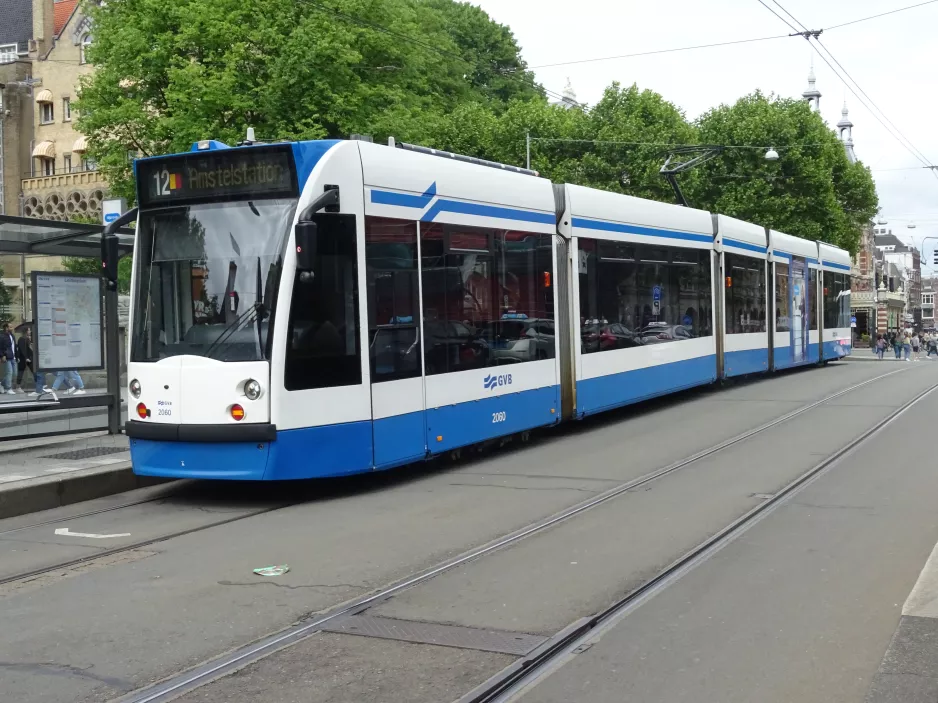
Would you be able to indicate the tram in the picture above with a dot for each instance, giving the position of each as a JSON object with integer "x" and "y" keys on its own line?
{"x": 326, "y": 308}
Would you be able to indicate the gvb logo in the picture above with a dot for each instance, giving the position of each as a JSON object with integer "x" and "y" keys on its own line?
{"x": 489, "y": 382}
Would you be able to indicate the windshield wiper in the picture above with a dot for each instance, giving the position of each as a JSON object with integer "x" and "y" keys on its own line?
{"x": 233, "y": 326}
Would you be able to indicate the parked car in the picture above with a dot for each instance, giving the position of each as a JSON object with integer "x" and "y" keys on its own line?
{"x": 658, "y": 332}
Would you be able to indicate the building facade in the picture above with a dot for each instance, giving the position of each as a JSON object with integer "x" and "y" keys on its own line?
{"x": 62, "y": 183}
{"x": 863, "y": 294}
{"x": 929, "y": 286}
{"x": 44, "y": 170}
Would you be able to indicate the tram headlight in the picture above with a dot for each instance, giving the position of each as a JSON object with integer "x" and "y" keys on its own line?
{"x": 252, "y": 389}
{"x": 135, "y": 388}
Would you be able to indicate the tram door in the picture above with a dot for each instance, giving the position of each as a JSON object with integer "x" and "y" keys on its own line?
{"x": 799, "y": 311}
{"x": 394, "y": 341}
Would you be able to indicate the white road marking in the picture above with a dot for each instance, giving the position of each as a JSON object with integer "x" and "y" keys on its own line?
{"x": 65, "y": 532}
{"x": 923, "y": 600}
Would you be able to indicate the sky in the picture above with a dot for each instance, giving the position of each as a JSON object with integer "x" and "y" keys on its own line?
{"x": 892, "y": 59}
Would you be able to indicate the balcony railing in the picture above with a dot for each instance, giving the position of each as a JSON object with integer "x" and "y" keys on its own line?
{"x": 79, "y": 179}
{"x": 83, "y": 168}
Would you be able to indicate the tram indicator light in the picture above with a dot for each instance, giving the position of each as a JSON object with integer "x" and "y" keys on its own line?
{"x": 142, "y": 411}
{"x": 237, "y": 412}
{"x": 729, "y": 281}
{"x": 547, "y": 279}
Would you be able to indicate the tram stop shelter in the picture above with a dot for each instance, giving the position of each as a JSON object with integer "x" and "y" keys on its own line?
{"x": 31, "y": 236}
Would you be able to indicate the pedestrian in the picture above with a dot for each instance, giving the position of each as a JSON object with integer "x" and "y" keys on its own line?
{"x": 897, "y": 344}
{"x": 932, "y": 345}
{"x": 915, "y": 345}
{"x": 75, "y": 384}
{"x": 880, "y": 346}
{"x": 7, "y": 359}
{"x": 24, "y": 360}
{"x": 906, "y": 346}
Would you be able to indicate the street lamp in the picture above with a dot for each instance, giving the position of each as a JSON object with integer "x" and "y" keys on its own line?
{"x": 771, "y": 155}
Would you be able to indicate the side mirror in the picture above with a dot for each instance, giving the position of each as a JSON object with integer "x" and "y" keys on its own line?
{"x": 306, "y": 235}
{"x": 109, "y": 258}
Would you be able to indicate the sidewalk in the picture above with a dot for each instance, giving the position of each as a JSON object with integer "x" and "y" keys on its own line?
{"x": 909, "y": 671}
{"x": 866, "y": 355}
{"x": 46, "y": 472}
{"x": 59, "y": 420}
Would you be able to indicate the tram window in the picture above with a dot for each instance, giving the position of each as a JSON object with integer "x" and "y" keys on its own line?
{"x": 323, "y": 342}
{"x": 836, "y": 300}
{"x": 488, "y": 297}
{"x": 525, "y": 325}
{"x": 393, "y": 298}
{"x": 632, "y": 295}
{"x": 744, "y": 282}
{"x": 458, "y": 297}
{"x": 812, "y": 299}
{"x": 782, "y": 312}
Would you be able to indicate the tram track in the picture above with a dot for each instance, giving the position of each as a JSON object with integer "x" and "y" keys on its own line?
{"x": 180, "y": 684}
{"x": 510, "y": 683}
{"x": 535, "y": 527}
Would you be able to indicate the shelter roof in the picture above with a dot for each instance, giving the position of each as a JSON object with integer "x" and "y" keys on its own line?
{"x": 29, "y": 235}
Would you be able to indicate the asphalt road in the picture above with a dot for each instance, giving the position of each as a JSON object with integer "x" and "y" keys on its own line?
{"x": 116, "y": 623}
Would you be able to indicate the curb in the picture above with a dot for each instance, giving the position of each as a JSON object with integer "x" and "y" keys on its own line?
{"x": 909, "y": 670}
{"x": 43, "y": 493}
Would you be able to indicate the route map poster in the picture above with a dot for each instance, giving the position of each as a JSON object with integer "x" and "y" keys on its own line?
{"x": 68, "y": 322}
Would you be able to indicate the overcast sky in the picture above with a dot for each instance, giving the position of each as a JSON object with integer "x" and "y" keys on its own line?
{"x": 892, "y": 58}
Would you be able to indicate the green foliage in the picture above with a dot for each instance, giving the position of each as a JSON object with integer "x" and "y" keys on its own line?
{"x": 6, "y": 300}
{"x": 92, "y": 267}
{"x": 170, "y": 73}
{"x": 812, "y": 191}
{"x": 441, "y": 73}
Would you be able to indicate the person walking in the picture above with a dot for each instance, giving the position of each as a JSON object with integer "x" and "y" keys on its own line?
{"x": 76, "y": 386}
{"x": 932, "y": 345}
{"x": 880, "y": 346}
{"x": 915, "y": 346}
{"x": 7, "y": 359}
{"x": 24, "y": 357}
{"x": 897, "y": 344}
{"x": 906, "y": 346}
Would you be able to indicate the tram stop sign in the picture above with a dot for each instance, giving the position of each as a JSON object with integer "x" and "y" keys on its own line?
{"x": 853, "y": 320}
{"x": 112, "y": 209}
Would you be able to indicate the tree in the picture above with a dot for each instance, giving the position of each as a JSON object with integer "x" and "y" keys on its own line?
{"x": 92, "y": 266}
{"x": 812, "y": 191}
{"x": 169, "y": 74}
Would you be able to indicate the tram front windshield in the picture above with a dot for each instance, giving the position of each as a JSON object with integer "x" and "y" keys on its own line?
{"x": 206, "y": 279}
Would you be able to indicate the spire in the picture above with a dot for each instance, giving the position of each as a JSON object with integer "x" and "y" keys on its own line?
{"x": 845, "y": 126}
{"x": 569, "y": 96}
{"x": 812, "y": 94}
{"x": 568, "y": 100}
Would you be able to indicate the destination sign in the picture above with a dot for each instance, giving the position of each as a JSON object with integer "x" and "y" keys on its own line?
{"x": 217, "y": 175}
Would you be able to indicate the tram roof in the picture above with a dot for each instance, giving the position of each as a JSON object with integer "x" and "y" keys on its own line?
{"x": 30, "y": 235}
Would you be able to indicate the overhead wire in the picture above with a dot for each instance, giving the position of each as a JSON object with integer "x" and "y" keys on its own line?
{"x": 881, "y": 14}
{"x": 922, "y": 156}
{"x": 790, "y": 25}
{"x": 865, "y": 100}
{"x": 667, "y": 145}
{"x": 661, "y": 51}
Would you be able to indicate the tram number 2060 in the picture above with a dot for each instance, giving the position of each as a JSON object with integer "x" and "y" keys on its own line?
{"x": 498, "y": 417}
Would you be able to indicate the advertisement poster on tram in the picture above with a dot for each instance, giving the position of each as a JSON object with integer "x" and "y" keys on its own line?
{"x": 799, "y": 326}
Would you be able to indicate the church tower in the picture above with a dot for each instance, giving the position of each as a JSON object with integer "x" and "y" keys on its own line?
{"x": 812, "y": 94}
{"x": 845, "y": 126}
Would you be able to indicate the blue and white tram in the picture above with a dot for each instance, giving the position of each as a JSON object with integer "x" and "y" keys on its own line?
{"x": 794, "y": 297}
{"x": 743, "y": 257}
{"x": 326, "y": 308}
{"x": 835, "y": 306}
{"x": 643, "y": 291}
